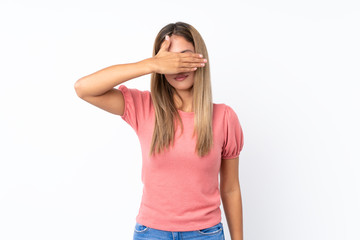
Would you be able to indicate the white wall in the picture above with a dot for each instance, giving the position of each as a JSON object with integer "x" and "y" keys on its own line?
{"x": 289, "y": 69}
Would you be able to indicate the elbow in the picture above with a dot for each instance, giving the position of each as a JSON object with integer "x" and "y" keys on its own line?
{"x": 77, "y": 87}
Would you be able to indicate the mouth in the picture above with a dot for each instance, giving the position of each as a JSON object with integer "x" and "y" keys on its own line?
{"x": 181, "y": 77}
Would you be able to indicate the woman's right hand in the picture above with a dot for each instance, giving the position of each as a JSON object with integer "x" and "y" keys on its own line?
{"x": 165, "y": 62}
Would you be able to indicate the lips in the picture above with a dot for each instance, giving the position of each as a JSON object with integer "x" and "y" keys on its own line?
{"x": 181, "y": 77}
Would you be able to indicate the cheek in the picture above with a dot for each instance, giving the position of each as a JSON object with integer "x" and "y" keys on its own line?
{"x": 191, "y": 75}
{"x": 169, "y": 76}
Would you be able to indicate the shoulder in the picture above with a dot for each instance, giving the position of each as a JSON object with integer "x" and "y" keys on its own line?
{"x": 137, "y": 100}
{"x": 134, "y": 92}
{"x": 224, "y": 110}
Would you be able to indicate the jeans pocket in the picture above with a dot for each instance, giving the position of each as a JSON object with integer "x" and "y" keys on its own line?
{"x": 139, "y": 228}
{"x": 212, "y": 230}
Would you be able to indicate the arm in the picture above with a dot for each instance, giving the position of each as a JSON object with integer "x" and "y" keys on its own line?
{"x": 105, "y": 79}
{"x": 98, "y": 88}
{"x": 231, "y": 197}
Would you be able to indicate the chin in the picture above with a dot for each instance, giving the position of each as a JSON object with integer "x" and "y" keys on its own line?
{"x": 181, "y": 86}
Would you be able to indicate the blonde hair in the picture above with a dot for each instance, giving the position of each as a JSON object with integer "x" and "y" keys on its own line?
{"x": 162, "y": 96}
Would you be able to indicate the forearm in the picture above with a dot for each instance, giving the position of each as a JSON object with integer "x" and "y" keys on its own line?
{"x": 232, "y": 205}
{"x": 105, "y": 79}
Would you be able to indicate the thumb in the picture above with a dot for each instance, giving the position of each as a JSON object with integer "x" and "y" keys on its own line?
{"x": 165, "y": 44}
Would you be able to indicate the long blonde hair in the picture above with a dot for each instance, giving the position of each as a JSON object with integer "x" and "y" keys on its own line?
{"x": 162, "y": 96}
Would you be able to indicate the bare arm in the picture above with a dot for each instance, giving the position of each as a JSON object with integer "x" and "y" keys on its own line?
{"x": 231, "y": 197}
{"x": 105, "y": 79}
{"x": 98, "y": 87}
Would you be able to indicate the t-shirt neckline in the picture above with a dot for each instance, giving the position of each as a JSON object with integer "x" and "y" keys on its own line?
{"x": 186, "y": 114}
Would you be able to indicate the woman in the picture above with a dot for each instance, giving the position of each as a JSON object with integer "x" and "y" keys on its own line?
{"x": 186, "y": 139}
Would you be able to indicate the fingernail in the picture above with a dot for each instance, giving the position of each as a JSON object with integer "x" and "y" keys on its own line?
{"x": 167, "y": 37}
{"x": 201, "y": 55}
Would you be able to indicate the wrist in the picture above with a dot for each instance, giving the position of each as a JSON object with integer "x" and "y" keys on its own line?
{"x": 149, "y": 65}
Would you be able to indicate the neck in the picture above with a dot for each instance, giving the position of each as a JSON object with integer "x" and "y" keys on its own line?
{"x": 186, "y": 105}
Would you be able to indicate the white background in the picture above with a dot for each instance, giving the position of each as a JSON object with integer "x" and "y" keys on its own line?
{"x": 290, "y": 70}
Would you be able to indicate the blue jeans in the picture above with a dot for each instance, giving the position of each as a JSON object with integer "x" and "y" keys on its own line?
{"x": 215, "y": 232}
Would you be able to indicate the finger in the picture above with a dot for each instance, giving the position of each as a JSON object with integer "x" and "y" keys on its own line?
{"x": 188, "y": 69}
{"x": 165, "y": 44}
{"x": 193, "y": 55}
{"x": 193, "y": 65}
{"x": 194, "y": 60}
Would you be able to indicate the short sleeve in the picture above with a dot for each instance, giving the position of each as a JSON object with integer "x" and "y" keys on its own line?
{"x": 234, "y": 138}
{"x": 137, "y": 104}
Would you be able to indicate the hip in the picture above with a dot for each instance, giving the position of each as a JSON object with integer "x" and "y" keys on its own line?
{"x": 215, "y": 232}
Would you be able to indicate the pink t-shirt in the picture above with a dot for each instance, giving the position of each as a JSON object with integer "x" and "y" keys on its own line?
{"x": 180, "y": 189}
